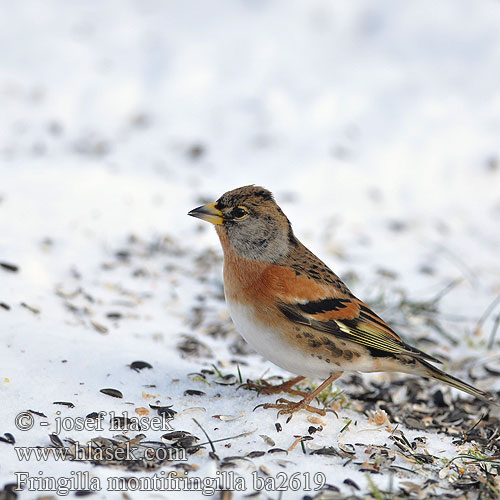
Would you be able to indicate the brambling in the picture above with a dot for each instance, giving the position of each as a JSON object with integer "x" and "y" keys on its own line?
{"x": 293, "y": 310}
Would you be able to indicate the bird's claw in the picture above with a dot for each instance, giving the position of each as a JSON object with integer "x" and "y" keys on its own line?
{"x": 286, "y": 407}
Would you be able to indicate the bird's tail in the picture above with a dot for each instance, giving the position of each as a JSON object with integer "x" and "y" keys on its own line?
{"x": 436, "y": 373}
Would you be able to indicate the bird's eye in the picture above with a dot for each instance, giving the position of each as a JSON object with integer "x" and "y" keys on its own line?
{"x": 240, "y": 213}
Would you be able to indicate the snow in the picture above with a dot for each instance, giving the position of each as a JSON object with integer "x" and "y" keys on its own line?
{"x": 119, "y": 117}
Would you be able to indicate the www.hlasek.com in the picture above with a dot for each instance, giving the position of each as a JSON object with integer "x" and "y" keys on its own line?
{"x": 168, "y": 481}
{"x": 88, "y": 452}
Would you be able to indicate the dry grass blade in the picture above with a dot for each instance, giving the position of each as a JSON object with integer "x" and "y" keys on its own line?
{"x": 204, "y": 432}
{"x": 487, "y": 312}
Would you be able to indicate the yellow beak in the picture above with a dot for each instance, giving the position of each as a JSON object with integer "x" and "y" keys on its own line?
{"x": 208, "y": 213}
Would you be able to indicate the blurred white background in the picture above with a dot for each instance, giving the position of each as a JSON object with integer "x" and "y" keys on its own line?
{"x": 340, "y": 98}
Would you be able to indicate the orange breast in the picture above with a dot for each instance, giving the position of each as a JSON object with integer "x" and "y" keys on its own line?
{"x": 263, "y": 284}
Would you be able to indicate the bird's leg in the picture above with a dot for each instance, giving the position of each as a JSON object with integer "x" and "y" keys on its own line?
{"x": 267, "y": 388}
{"x": 290, "y": 407}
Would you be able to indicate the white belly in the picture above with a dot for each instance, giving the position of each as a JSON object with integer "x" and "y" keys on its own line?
{"x": 269, "y": 344}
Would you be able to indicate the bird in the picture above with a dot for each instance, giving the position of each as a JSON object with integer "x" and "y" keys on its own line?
{"x": 295, "y": 311}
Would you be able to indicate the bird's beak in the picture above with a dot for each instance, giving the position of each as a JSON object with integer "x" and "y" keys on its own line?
{"x": 208, "y": 213}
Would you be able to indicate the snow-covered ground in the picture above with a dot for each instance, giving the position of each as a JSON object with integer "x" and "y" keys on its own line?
{"x": 376, "y": 125}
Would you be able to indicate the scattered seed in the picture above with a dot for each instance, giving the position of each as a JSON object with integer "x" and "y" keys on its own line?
{"x": 33, "y": 309}
{"x": 140, "y": 365}
{"x": 193, "y": 392}
{"x": 38, "y": 413}
{"x": 350, "y": 482}
{"x": 191, "y": 346}
{"x": 328, "y": 451}
{"x": 114, "y": 315}
{"x": 415, "y": 423}
{"x": 267, "y": 440}
{"x": 64, "y": 403}
{"x": 227, "y": 418}
{"x": 347, "y": 448}
{"x": 315, "y": 420}
{"x": 277, "y": 450}
{"x": 100, "y": 328}
{"x": 491, "y": 371}
{"x": 313, "y": 429}
{"x": 227, "y": 465}
{"x": 114, "y": 393}
{"x": 9, "y": 438}
{"x": 175, "y": 435}
{"x": 186, "y": 442}
{"x": 227, "y": 380}
{"x": 265, "y": 470}
{"x": 83, "y": 493}
{"x": 195, "y": 151}
{"x": 283, "y": 463}
{"x": 256, "y": 454}
{"x": 122, "y": 254}
{"x": 331, "y": 487}
{"x": 56, "y": 441}
{"x": 186, "y": 467}
{"x": 5, "y": 306}
{"x": 444, "y": 472}
{"x": 164, "y": 410}
{"x": 298, "y": 439}
{"x": 278, "y": 427}
{"x": 9, "y": 267}
{"x": 195, "y": 409}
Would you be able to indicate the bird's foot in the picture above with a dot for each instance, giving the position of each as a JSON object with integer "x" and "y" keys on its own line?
{"x": 264, "y": 387}
{"x": 287, "y": 407}
{"x": 291, "y": 407}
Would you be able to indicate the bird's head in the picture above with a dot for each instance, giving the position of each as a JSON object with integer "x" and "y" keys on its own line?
{"x": 252, "y": 223}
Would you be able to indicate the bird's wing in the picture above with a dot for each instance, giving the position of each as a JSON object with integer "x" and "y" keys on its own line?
{"x": 332, "y": 310}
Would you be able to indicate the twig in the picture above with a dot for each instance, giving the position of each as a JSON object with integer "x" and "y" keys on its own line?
{"x": 487, "y": 312}
{"x": 197, "y": 445}
{"x": 219, "y": 373}
{"x": 204, "y": 432}
{"x": 481, "y": 418}
{"x": 447, "y": 289}
{"x": 496, "y": 324}
{"x": 466, "y": 270}
{"x": 434, "y": 324}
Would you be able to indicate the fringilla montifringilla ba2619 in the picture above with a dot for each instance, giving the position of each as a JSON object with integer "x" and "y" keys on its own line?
{"x": 293, "y": 310}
